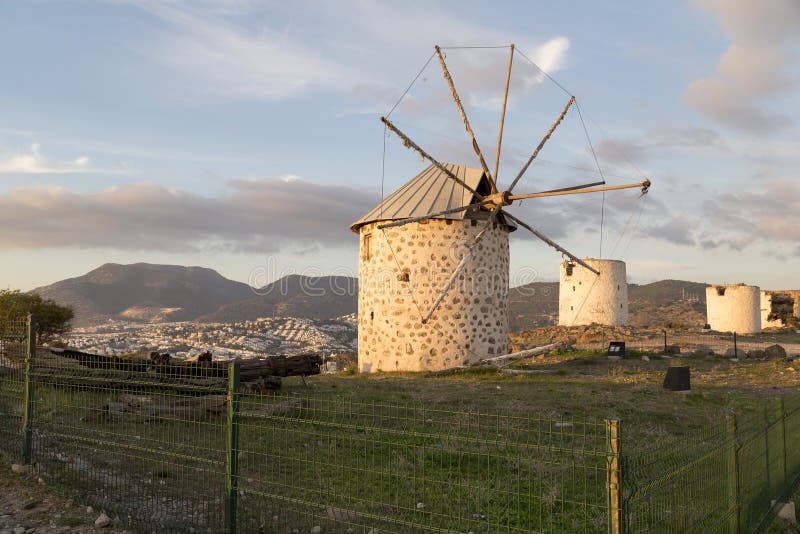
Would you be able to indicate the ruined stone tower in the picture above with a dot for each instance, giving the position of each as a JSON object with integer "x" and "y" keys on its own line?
{"x": 585, "y": 297}
{"x": 404, "y": 269}
{"x": 734, "y": 308}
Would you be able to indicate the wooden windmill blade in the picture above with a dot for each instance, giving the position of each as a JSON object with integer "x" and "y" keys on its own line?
{"x": 403, "y": 222}
{"x": 552, "y": 243}
{"x": 541, "y": 144}
{"x": 460, "y": 106}
{"x": 412, "y": 145}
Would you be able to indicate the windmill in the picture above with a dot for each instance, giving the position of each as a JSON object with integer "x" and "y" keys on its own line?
{"x": 434, "y": 255}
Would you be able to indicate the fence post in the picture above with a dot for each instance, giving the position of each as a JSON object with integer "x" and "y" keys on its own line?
{"x": 735, "y": 347}
{"x": 232, "y": 460}
{"x": 783, "y": 436}
{"x": 27, "y": 415}
{"x": 665, "y": 341}
{"x": 614, "y": 477}
{"x": 733, "y": 471}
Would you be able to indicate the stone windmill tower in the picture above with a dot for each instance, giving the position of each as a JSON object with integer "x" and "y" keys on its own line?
{"x": 434, "y": 258}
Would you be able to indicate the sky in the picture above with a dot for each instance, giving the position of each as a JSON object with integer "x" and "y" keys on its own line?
{"x": 245, "y": 135}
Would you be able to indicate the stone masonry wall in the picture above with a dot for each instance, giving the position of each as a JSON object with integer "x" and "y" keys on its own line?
{"x": 403, "y": 270}
{"x": 737, "y": 309}
{"x": 585, "y": 298}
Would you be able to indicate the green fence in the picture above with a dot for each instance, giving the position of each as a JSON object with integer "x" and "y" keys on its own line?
{"x": 182, "y": 448}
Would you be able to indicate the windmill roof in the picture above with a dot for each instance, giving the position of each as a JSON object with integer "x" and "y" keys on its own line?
{"x": 430, "y": 191}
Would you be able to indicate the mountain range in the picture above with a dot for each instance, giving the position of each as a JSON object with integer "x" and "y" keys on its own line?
{"x": 159, "y": 293}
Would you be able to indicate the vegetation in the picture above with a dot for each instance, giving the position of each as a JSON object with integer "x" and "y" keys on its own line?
{"x": 53, "y": 320}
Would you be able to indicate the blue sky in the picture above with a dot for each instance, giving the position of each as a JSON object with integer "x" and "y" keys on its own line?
{"x": 244, "y": 135}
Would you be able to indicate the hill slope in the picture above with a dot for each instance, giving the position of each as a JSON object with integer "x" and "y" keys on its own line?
{"x": 536, "y": 304}
{"x": 145, "y": 292}
{"x": 156, "y": 293}
{"x": 294, "y": 296}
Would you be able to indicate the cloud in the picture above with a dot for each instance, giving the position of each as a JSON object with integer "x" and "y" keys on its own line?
{"x": 617, "y": 150}
{"x": 32, "y": 162}
{"x": 678, "y": 230}
{"x": 754, "y": 68}
{"x": 768, "y": 215}
{"x": 229, "y": 59}
{"x": 254, "y": 216}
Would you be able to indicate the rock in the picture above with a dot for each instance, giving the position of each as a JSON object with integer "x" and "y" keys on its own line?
{"x": 102, "y": 521}
{"x": 19, "y": 469}
{"x": 757, "y": 354}
{"x": 420, "y": 505}
{"x": 341, "y": 515}
{"x": 89, "y": 510}
{"x": 703, "y": 351}
{"x": 41, "y": 481}
{"x": 785, "y": 510}
{"x": 775, "y": 352}
{"x": 316, "y": 530}
{"x": 672, "y": 349}
{"x": 738, "y": 354}
{"x": 19, "y": 530}
{"x": 645, "y": 358}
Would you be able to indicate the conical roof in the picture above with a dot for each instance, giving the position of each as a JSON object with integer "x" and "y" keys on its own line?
{"x": 430, "y": 191}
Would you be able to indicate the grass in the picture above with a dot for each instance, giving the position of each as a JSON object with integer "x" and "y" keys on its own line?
{"x": 478, "y": 450}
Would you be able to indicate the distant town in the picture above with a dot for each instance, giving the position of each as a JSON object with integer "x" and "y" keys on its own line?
{"x": 262, "y": 337}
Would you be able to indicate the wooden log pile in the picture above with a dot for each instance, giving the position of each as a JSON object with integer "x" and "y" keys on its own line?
{"x": 159, "y": 371}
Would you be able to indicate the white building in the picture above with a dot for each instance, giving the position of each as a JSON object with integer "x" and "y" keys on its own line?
{"x": 734, "y": 308}
{"x": 585, "y": 297}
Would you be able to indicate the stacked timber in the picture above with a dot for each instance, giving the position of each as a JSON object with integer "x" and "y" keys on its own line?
{"x": 159, "y": 371}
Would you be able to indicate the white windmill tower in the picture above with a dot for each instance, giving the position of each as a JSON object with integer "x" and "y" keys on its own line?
{"x": 434, "y": 258}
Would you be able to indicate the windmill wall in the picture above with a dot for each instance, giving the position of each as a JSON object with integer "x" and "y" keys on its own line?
{"x": 734, "y": 308}
{"x": 585, "y": 298}
{"x": 402, "y": 271}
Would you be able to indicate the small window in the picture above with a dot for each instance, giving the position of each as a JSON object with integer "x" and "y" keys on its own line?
{"x": 570, "y": 266}
{"x": 403, "y": 277}
{"x": 365, "y": 247}
{"x": 720, "y": 290}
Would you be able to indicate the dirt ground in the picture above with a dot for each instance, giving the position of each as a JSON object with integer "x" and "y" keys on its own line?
{"x": 28, "y": 506}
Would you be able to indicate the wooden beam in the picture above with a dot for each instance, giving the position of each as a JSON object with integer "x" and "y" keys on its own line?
{"x": 559, "y": 192}
{"x": 411, "y": 144}
{"x": 431, "y": 215}
{"x": 542, "y": 142}
{"x": 460, "y": 107}
{"x": 553, "y": 244}
{"x": 503, "y": 117}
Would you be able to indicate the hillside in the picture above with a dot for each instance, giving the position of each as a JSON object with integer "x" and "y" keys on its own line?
{"x": 677, "y": 301}
{"x": 294, "y": 296}
{"x": 145, "y": 292}
{"x": 158, "y": 293}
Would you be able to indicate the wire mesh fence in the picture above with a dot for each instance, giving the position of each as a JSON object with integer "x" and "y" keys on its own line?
{"x": 180, "y": 447}
{"x": 701, "y": 343}
{"x": 725, "y": 478}
{"x": 14, "y": 344}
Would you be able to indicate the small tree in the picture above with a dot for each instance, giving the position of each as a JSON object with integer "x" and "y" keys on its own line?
{"x": 52, "y": 319}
